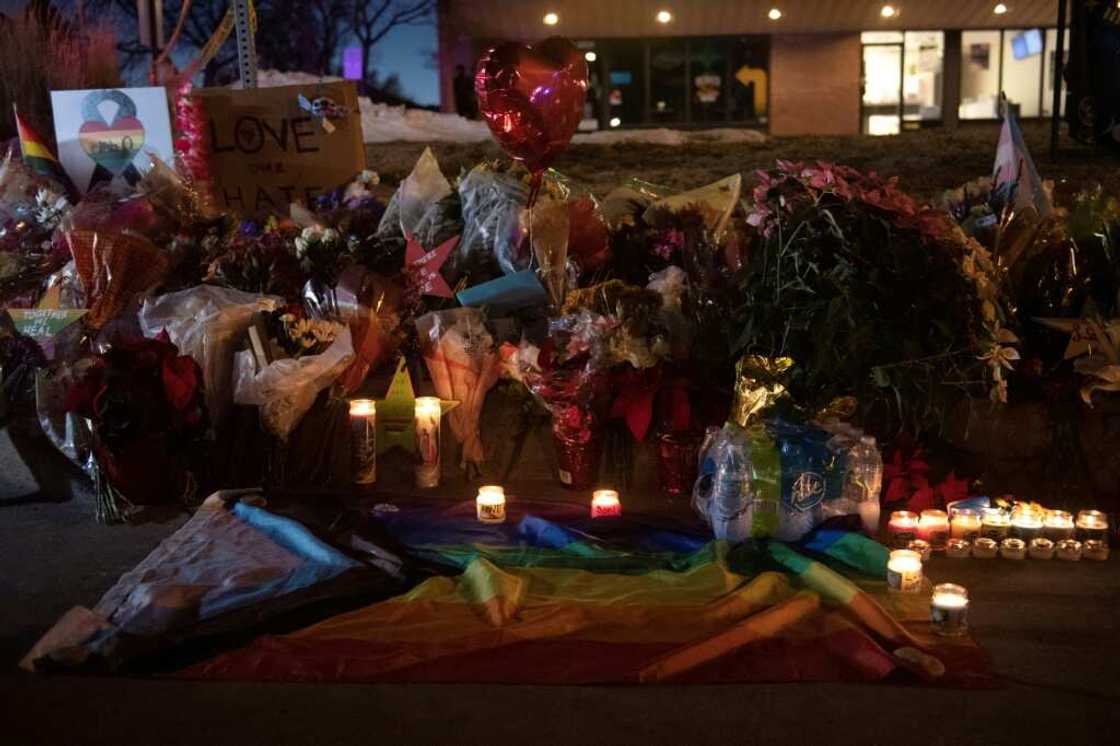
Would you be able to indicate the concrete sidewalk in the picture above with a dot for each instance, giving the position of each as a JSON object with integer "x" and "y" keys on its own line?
{"x": 1052, "y": 628}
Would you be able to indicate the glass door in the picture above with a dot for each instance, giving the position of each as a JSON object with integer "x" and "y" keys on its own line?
{"x": 881, "y": 108}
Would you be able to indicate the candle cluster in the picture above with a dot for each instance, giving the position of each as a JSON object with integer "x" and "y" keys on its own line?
{"x": 490, "y": 505}
{"x": 1027, "y": 530}
{"x": 363, "y": 440}
{"x": 948, "y": 606}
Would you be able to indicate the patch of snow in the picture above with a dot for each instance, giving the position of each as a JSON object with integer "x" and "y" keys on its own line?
{"x": 382, "y": 123}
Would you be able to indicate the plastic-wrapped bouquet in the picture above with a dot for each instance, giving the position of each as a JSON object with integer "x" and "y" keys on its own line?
{"x": 145, "y": 403}
{"x": 464, "y": 363}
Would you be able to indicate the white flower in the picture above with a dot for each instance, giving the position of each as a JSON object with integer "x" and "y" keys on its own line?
{"x": 49, "y": 206}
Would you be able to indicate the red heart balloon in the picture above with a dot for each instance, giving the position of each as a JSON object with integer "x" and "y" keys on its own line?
{"x": 532, "y": 98}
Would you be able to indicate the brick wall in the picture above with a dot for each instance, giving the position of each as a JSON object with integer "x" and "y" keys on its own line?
{"x": 815, "y": 84}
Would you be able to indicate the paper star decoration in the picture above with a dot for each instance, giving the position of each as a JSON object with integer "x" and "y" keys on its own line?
{"x": 396, "y": 413}
{"x": 426, "y": 266}
{"x": 1089, "y": 334}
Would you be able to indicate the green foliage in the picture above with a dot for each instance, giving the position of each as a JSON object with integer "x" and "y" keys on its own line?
{"x": 864, "y": 292}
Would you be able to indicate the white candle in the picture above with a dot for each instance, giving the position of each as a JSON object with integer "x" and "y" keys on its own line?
{"x": 1026, "y": 525}
{"x": 904, "y": 571}
{"x": 869, "y": 516}
{"x": 995, "y": 524}
{"x": 1092, "y": 524}
{"x": 1013, "y": 549}
{"x": 1095, "y": 549}
{"x": 965, "y": 524}
{"x": 1057, "y": 525}
{"x": 949, "y": 609}
{"x": 1069, "y": 550}
{"x": 491, "y": 504}
{"x": 605, "y": 504}
{"x": 363, "y": 440}
{"x": 428, "y": 412}
{"x": 984, "y": 548}
{"x": 922, "y": 547}
{"x": 958, "y": 548}
{"x": 1041, "y": 549}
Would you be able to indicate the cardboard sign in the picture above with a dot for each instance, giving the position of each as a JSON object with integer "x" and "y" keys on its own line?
{"x": 270, "y": 147}
{"x": 101, "y": 132}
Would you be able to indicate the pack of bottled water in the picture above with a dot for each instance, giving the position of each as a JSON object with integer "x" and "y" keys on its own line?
{"x": 781, "y": 479}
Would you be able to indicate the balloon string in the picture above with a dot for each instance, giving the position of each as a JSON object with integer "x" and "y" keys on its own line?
{"x": 534, "y": 191}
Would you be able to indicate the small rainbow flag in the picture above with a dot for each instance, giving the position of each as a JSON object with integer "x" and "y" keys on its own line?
{"x": 37, "y": 155}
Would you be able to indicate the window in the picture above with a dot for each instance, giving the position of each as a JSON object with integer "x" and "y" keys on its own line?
{"x": 980, "y": 62}
{"x": 750, "y": 79}
{"x": 922, "y": 75}
{"x": 672, "y": 81}
{"x": 1050, "y": 56}
{"x": 901, "y": 79}
{"x": 1022, "y": 69}
{"x": 708, "y": 63}
{"x": 624, "y": 87}
{"x": 668, "y": 68}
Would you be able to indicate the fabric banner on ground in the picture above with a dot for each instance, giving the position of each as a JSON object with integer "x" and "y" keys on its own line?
{"x": 231, "y": 566}
{"x": 551, "y": 597}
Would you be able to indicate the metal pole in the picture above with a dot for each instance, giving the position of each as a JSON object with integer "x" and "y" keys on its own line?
{"x": 1059, "y": 69}
{"x": 246, "y": 46}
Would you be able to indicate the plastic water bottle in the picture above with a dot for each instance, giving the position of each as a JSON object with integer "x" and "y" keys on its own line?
{"x": 729, "y": 508}
{"x": 866, "y": 476}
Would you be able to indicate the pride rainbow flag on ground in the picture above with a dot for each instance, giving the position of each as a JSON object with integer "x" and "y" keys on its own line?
{"x": 552, "y": 597}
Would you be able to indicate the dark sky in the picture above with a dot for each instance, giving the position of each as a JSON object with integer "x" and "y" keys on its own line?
{"x": 407, "y": 51}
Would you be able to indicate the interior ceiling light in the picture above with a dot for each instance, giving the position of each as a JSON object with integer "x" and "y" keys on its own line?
{"x": 664, "y": 16}
{"x": 551, "y": 19}
{"x": 888, "y": 11}
{"x": 774, "y": 14}
{"x": 1000, "y": 9}
{"x": 590, "y": 56}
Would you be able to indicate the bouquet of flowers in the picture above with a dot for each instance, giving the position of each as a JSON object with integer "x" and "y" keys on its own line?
{"x": 464, "y": 363}
{"x": 870, "y": 296}
{"x": 569, "y": 375}
{"x": 30, "y": 210}
{"x": 145, "y": 403}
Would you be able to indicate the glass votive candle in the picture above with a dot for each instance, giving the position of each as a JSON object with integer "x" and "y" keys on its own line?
{"x": 1013, "y": 549}
{"x": 902, "y": 528}
{"x": 958, "y": 548}
{"x": 904, "y": 571}
{"x": 948, "y": 609}
{"x": 605, "y": 504}
{"x": 964, "y": 524}
{"x": 985, "y": 548}
{"x": 1026, "y": 525}
{"x": 363, "y": 441}
{"x": 1057, "y": 525}
{"x": 933, "y": 526}
{"x": 994, "y": 524}
{"x": 1068, "y": 550}
{"x": 922, "y": 547}
{"x": 490, "y": 505}
{"x": 1041, "y": 548}
{"x": 1092, "y": 524}
{"x": 1095, "y": 549}
{"x": 428, "y": 411}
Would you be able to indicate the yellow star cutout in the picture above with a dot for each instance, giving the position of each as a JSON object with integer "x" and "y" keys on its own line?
{"x": 396, "y": 412}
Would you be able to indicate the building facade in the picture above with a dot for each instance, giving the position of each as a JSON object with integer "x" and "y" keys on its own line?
{"x": 792, "y": 67}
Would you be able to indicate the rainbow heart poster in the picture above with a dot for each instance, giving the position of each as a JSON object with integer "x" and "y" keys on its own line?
{"x": 104, "y": 134}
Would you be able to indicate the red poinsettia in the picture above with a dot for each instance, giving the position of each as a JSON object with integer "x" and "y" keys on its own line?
{"x": 907, "y": 486}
